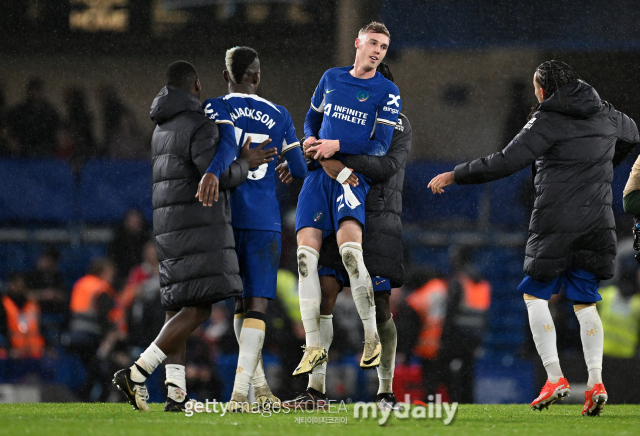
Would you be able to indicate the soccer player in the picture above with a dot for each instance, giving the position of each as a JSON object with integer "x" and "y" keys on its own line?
{"x": 354, "y": 110}
{"x": 255, "y": 212}
{"x": 198, "y": 264}
{"x": 382, "y": 245}
{"x": 574, "y": 139}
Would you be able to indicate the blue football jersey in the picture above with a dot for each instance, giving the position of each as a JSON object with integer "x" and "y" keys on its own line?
{"x": 354, "y": 108}
{"x": 254, "y": 205}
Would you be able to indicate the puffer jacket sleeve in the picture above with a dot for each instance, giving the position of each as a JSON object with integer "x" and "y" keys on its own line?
{"x": 204, "y": 143}
{"x": 382, "y": 168}
{"x": 235, "y": 174}
{"x": 627, "y": 138}
{"x": 535, "y": 138}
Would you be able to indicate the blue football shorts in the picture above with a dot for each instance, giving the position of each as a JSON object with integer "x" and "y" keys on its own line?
{"x": 259, "y": 259}
{"x": 579, "y": 285}
{"x": 323, "y": 202}
{"x": 379, "y": 284}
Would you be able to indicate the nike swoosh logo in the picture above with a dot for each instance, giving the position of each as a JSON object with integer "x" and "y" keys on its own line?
{"x": 331, "y": 90}
{"x": 311, "y": 362}
{"x": 367, "y": 362}
{"x": 128, "y": 388}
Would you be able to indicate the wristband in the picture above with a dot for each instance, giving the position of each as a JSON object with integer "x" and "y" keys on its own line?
{"x": 344, "y": 175}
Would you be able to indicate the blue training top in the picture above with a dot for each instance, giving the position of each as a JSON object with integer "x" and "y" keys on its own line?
{"x": 254, "y": 205}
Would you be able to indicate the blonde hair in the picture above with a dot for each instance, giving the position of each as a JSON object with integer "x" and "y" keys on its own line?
{"x": 240, "y": 61}
{"x": 374, "y": 27}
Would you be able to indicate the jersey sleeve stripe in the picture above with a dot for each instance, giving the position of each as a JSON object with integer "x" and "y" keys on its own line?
{"x": 316, "y": 109}
{"x": 320, "y": 108}
{"x": 383, "y": 121}
{"x": 224, "y": 122}
{"x": 287, "y": 147}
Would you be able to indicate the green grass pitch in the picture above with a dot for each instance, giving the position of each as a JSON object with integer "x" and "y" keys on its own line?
{"x": 120, "y": 419}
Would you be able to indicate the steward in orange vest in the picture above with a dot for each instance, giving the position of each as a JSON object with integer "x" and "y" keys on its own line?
{"x": 430, "y": 303}
{"x": 93, "y": 310}
{"x": 453, "y": 314}
{"x": 20, "y": 321}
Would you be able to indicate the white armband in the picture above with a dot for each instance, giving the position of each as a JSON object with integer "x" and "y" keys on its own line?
{"x": 344, "y": 175}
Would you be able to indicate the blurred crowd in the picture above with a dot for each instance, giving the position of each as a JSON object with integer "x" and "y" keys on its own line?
{"x": 35, "y": 127}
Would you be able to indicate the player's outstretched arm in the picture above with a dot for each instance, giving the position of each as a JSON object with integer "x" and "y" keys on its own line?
{"x": 534, "y": 140}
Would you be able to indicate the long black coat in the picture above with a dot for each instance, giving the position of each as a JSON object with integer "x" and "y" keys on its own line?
{"x": 195, "y": 244}
{"x": 574, "y": 139}
{"x": 382, "y": 241}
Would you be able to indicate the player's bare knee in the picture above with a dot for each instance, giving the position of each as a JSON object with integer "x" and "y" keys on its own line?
{"x": 350, "y": 231}
{"x": 309, "y": 237}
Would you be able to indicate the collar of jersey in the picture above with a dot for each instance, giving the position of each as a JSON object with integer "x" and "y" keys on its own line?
{"x": 252, "y": 96}
{"x": 350, "y": 67}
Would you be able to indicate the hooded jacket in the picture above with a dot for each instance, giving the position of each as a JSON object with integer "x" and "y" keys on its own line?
{"x": 195, "y": 244}
{"x": 574, "y": 141}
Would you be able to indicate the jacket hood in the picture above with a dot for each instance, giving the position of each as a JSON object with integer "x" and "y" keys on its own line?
{"x": 170, "y": 101}
{"x": 577, "y": 99}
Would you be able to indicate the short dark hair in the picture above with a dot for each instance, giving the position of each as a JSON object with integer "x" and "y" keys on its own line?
{"x": 385, "y": 71}
{"x": 181, "y": 74}
{"x": 239, "y": 61}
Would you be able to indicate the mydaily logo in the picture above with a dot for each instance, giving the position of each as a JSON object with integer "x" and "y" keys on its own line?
{"x": 432, "y": 410}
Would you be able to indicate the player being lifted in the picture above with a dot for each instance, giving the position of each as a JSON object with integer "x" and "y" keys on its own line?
{"x": 255, "y": 212}
{"x": 354, "y": 111}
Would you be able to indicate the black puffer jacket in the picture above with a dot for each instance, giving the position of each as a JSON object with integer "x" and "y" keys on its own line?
{"x": 382, "y": 242}
{"x": 195, "y": 244}
{"x": 575, "y": 139}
